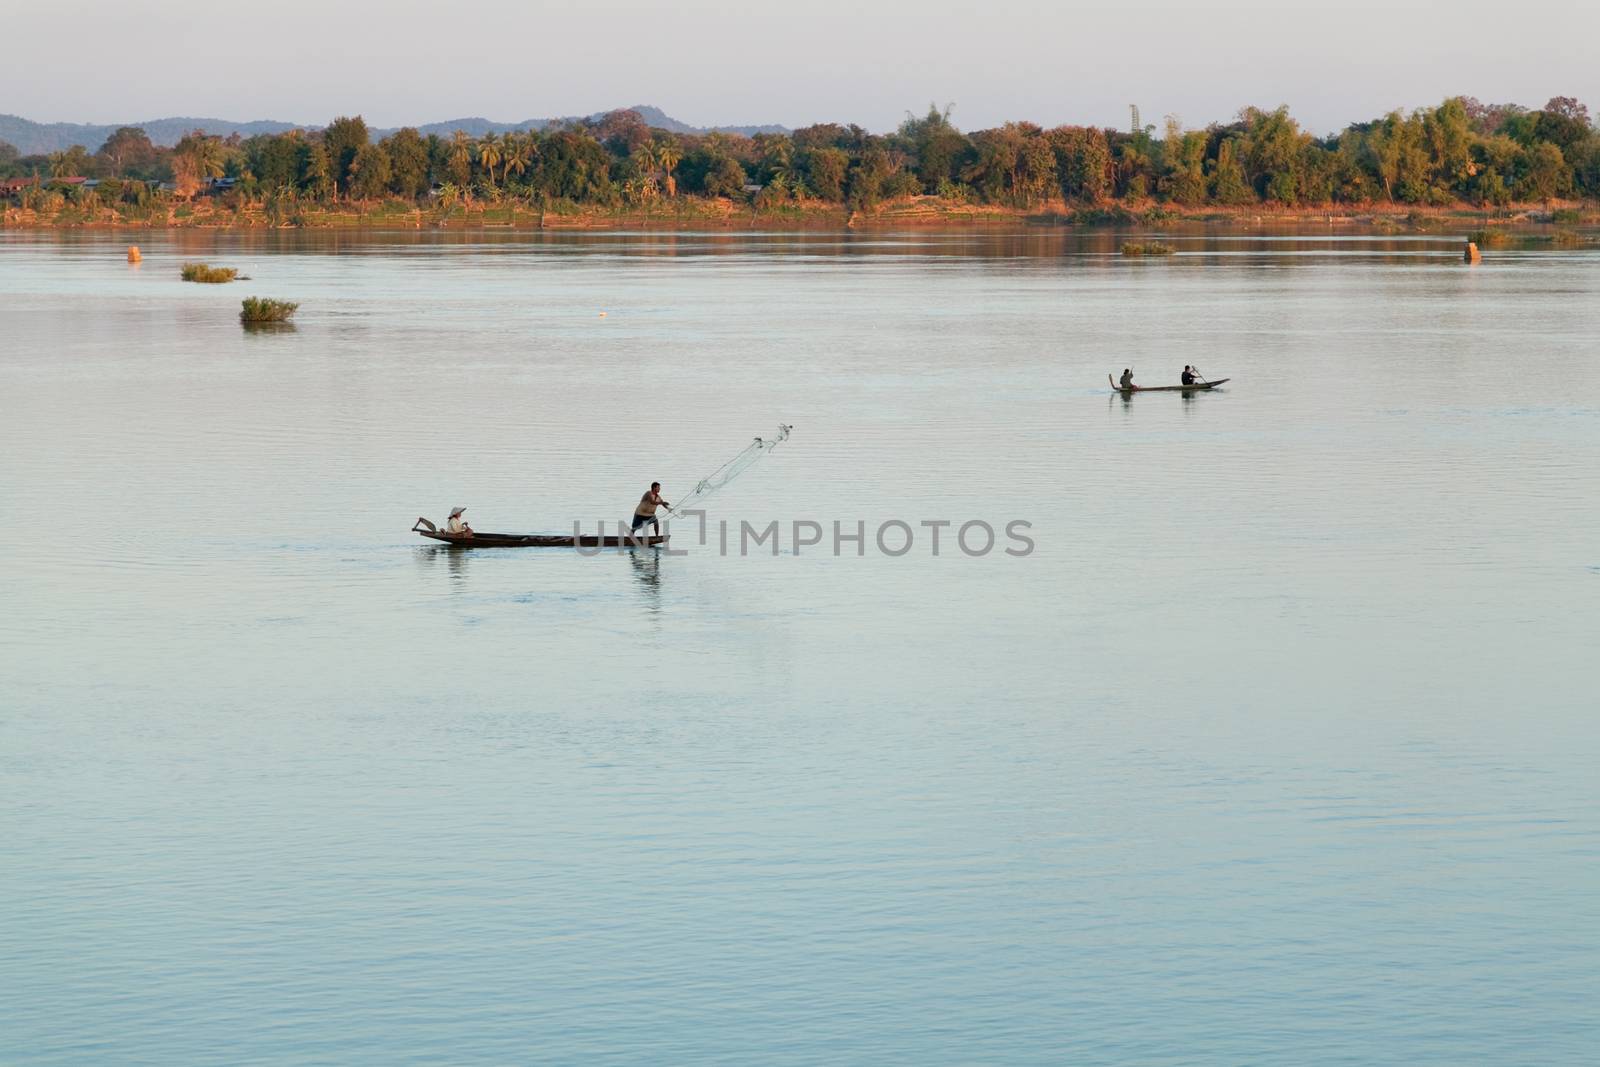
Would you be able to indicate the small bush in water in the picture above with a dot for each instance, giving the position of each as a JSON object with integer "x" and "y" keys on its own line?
{"x": 1149, "y": 248}
{"x": 259, "y": 309}
{"x": 1489, "y": 238}
{"x": 204, "y": 272}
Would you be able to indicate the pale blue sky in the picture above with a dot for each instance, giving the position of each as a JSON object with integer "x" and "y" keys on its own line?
{"x": 406, "y": 61}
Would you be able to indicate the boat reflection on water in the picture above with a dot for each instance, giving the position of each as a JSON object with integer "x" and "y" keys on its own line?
{"x": 455, "y": 561}
{"x": 646, "y": 564}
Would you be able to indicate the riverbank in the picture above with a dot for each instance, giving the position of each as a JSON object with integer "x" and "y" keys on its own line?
{"x": 688, "y": 213}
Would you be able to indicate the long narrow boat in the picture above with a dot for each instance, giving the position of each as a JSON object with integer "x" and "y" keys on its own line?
{"x": 505, "y": 540}
{"x": 1197, "y": 387}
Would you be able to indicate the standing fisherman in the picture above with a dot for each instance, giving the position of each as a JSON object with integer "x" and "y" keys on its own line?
{"x": 646, "y": 511}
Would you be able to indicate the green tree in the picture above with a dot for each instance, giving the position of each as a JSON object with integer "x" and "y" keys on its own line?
{"x": 1563, "y": 122}
{"x": 127, "y": 150}
{"x": 1133, "y": 169}
{"x": 343, "y": 138}
{"x": 826, "y": 169}
{"x": 275, "y": 160}
{"x": 1184, "y": 179}
{"x": 1274, "y": 149}
{"x": 940, "y": 150}
{"x": 1491, "y": 189}
{"x": 774, "y": 157}
{"x": 1547, "y": 176}
{"x": 725, "y": 178}
{"x": 572, "y": 165}
{"x": 73, "y": 163}
{"x": 1228, "y": 182}
{"x": 1036, "y": 170}
{"x": 369, "y": 173}
{"x": 1584, "y": 159}
{"x": 1448, "y": 133}
{"x": 1400, "y": 158}
{"x": 868, "y": 178}
{"x": 316, "y": 171}
{"x": 408, "y": 162}
{"x": 1083, "y": 163}
{"x": 993, "y": 164}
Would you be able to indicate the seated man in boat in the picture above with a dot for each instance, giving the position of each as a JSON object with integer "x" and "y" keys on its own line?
{"x": 458, "y": 525}
{"x": 1127, "y": 379}
{"x": 646, "y": 511}
{"x": 1188, "y": 374}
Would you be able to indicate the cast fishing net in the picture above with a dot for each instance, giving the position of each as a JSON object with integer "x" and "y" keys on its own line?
{"x": 730, "y": 470}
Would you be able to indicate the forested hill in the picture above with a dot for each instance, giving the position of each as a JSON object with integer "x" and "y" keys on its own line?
{"x": 653, "y": 117}
{"x": 41, "y": 138}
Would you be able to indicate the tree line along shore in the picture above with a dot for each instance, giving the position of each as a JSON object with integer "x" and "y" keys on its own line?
{"x": 1463, "y": 155}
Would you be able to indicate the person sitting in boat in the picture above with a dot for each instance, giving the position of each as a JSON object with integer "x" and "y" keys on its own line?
{"x": 645, "y": 513}
{"x": 1188, "y": 374}
{"x": 1127, "y": 378}
{"x": 457, "y": 524}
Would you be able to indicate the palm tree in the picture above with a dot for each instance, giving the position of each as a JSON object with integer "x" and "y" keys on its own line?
{"x": 197, "y": 156}
{"x": 515, "y": 153}
{"x": 781, "y": 168}
{"x": 669, "y": 155}
{"x": 489, "y": 153}
{"x": 647, "y": 159}
{"x": 461, "y": 155}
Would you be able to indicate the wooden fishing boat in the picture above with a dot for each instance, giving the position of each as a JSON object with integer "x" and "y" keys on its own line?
{"x": 478, "y": 539}
{"x": 1197, "y": 387}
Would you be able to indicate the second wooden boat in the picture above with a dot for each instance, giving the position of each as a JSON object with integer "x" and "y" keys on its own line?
{"x": 1197, "y": 387}
{"x": 478, "y": 539}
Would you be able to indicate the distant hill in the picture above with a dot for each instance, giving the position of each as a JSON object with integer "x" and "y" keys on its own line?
{"x": 38, "y": 138}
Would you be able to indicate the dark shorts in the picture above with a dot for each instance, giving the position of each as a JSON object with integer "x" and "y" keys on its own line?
{"x": 640, "y": 520}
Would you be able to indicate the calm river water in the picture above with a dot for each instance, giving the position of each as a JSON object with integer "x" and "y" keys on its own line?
{"x": 1279, "y": 747}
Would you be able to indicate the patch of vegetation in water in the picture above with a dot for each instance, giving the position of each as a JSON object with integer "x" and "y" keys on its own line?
{"x": 1490, "y": 238}
{"x": 1147, "y": 248}
{"x": 205, "y": 272}
{"x": 259, "y": 309}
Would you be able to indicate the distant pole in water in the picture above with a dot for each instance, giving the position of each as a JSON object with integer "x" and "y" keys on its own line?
{"x": 1472, "y": 255}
